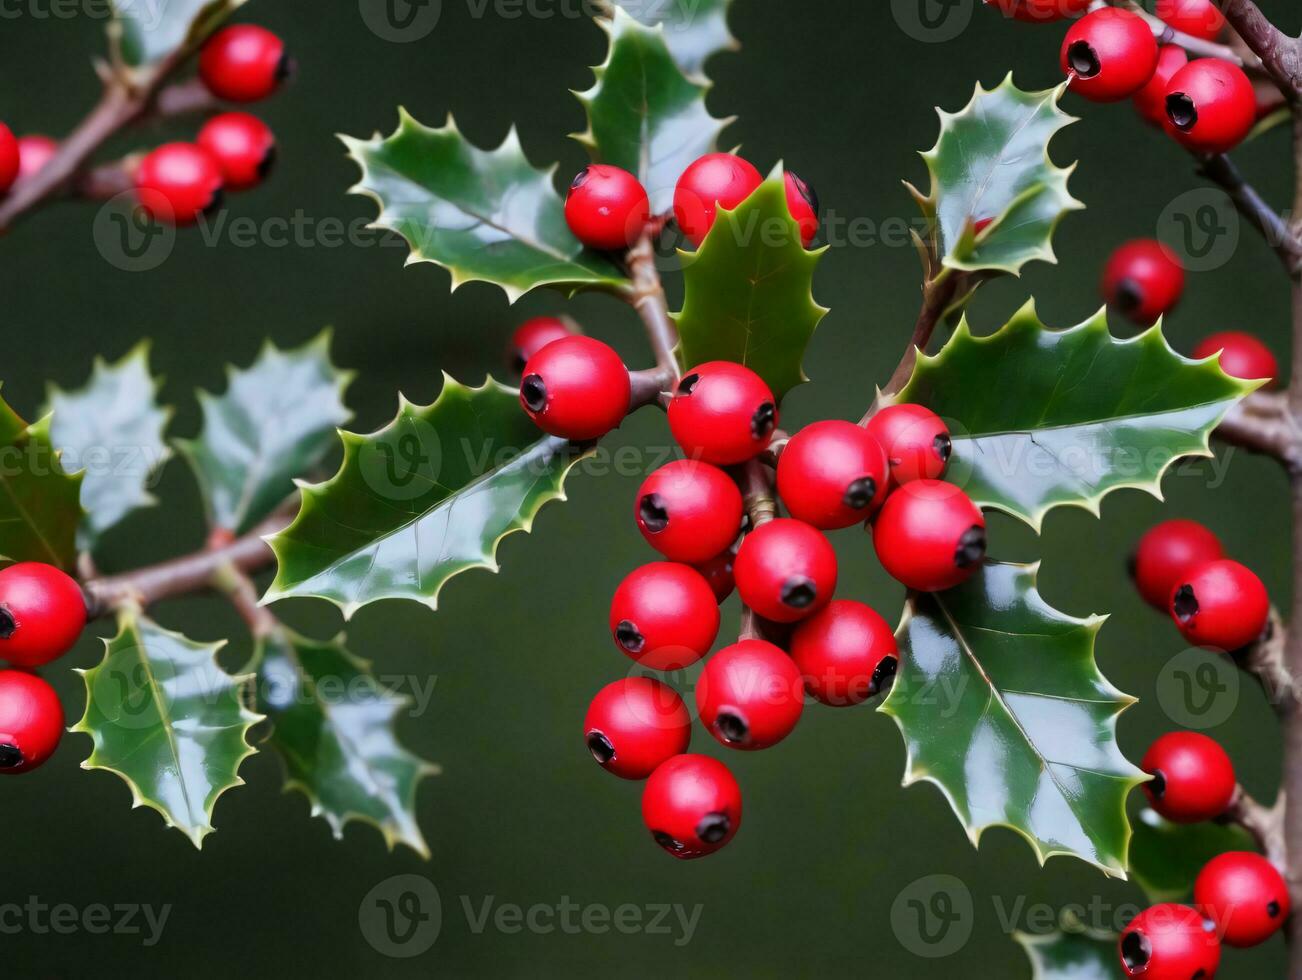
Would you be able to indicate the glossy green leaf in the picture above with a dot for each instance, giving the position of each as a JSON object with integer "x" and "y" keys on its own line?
{"x": 643, "y": 114}
{"x": 333, "y": 727}
{"x": 426, "y": 497}
{"x": 1002, "y": 706}
{"x": 1071, "y": 955}
{"x": 112, "y": 430}
{"x": 694, "y": 29}
{"x": 1048, "y": 418}
{"x": 749, "y": 291}
{"x": 275, "y": 422}
{"x": 484, "y": 215}
{"x": 1166, "y": 857}
{"x": 168, "y": 720}
{"x": 152, "y": 29}
{"x": 40, "y": 504}
{"x": 991, "y": 163}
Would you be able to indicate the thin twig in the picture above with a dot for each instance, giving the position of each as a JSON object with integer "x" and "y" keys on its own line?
{"x": 1262, "y": 423}
{"x": 1279, "y": 54}
{"x": 1284, "y": 240}
{"x": 1166, "y": 34}
{"x": 243, "y": 594}
{"x": 1265, "y": 824}
{"x": 1265, "y": 660}
{"x": 648, "y": 298}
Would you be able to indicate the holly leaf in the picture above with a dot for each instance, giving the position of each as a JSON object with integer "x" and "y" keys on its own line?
{"x": 643, "y": 114}
{"x": 1046, "y": 418}
{"x": 111, "y": 429}
{"x": 40, "y": 503}
{"x": 991, "y": 166}
{"x": 333, "y": 727}
{"x": 168, "y": 720}
{"x": 1002, "y": 706}
{"x": 149, "y": 31}
{"x": 693, "y": 29}
{"x": 1166, "y": 857}
{"x": 1071, "y": 954}
{"x": 749, "y": 291}
{"x": 484, "y": 215}
{"x": 275, "y": 422}
{"x": 423, "y": 499}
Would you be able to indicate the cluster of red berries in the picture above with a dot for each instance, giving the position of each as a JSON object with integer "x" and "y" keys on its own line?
{"x": 42, "y": 612}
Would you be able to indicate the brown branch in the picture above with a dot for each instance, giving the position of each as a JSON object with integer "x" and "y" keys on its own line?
{"x": 757, "y": 493}
{"x": 1265, "y": 660}
{"x": 650, "y": 387}
{"x": 648, "y": 298}
{"x": 1278, "y": 235}
{"x": 243, "y": 594}
{"x": 1265, "y": 824}
{"x": 1280, "y": 55}
{"x": 1262, "y": 423}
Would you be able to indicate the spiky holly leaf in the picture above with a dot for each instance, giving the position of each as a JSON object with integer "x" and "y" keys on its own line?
{"x": 1048, "y": 418}
{"x": 333, "y": 727}
{"x": 749, "y": 291}
{"x": 40, "y": 503}
{"x": 112, "y": 430}
{"x": 1166, "y": 857}
{"x": 275, "y": 422}
{"x": 643, "y": 114}
{"x": 694, "y": 29}
{"x": 150, "y": 31}
{"x": 168, "y": 720}
{"x": 1071, "y": 954}
{"x": 991, "y": 166}
{"x": 1002, "y": 706}
{"x": 484, "y": 215}
{"x": 426, "y": 497}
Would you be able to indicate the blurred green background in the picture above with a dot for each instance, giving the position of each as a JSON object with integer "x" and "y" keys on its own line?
{"x": 520, "y": 815}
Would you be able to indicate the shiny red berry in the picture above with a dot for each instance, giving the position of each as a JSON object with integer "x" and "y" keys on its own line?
{"x": 689, "y": 511}
{"x": 750, "y": 695}
{"x": 1109, "y": 55}
{"x": 1242, "y": 356}
{"x": 34, "y": 152}
{"x": 664, "y": 615}
{"x": 1039, "y": 10}
{"x": 635, "y": 724}
{"x": 846, "y": 653}
{"x": 717, "y": 571}
{"x": 243, "y": 146}
{"x": 716, "y": 180}
{"x": 1169, "y": 942}
{"x": 785, "y": 570}
{"x": 1167, "y": 551}
{"x": 1150, "y": 101}
{"x": 1219, "y": 604}
{"x": 1143, "y": 280}
{"x": 916, "y": 441}
{"x": 244, "y": 63}
{"x": 31, "y": 721}
{"x": 1211, "y": 105}
{"x": 802, "y": 202}
{"x": 606, "y": 207}
{"x": 692, "y": 806}
{"x": 1245, "y": 895}
{"x": 532, "y": 336}
{"x": 1197, "y": 18}
{"x": 1193, "y": 779}
{"x": 42, "y": 613}
{"x": 832, "y": 474}
{"x": 10, "y": 160}
{"x": 178, "y": 182}
{"x": 929, "y": 535}
{"x": 722, "y": 412}
{"x": 576, "y": 388}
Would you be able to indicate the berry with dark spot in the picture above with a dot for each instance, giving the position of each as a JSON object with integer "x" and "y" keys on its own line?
{"x": 1211, "y": 105}
{"x": 1109, "y": 55}
{"x": 31, "y": 721}
{"x": 786, "y": 570}
{"x": 1197, "y": 18}
{"x": 689, "y": 511}
{"x": 1167, "y": 551}
{"x": 244, "y": 63}
{"x": 1169, "y": 942}
{"x": 243, "y": 146}
{"x": 832, "y": 474}
{"x": 916, "y": 441}
{"x": 1220, "y": 605}
{"x": 606, "y": 207}
{"x": 802, "y": 202}
{"x": 42, "y": 613}
{"x": 692, "y": 806}
{"x": 664, "y": 615}
{"x": 723, "y": 413}
{"x": 178, "y": 182}
{"x": 929, "y": 535}
{"x": 635, "y": 724}
{"x": 846, "y": 653}
{"x": 1242, "y": 356}
{"x": 576, "y": 388}
{"x": 716, "y": 180}
{"x": 1150, "y": 101}
{"x": 1143, "y": 280}
{"x": 1245, "y": 895}
{"x": 750, "y": 695}
{"x": 1193, "y": 778}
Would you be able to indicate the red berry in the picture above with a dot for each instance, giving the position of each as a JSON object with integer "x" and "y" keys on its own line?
{"x": 606, "y": 207}
{"x": 1244, "y": 895}
{"x": 1193, "y": 779}
{"x": 34, "y": 152}
{"x": 1150, "y": 101}
{"x": 31, "y": 721}
{"x": 533, "y": 335}
{"x": 716, "y": 180}
{"x": 722, "y": 413}
{"x": 178, "y": 182}
{"x": 930, "y": 536}
{"x": 750, "y": 695}
{"x": 243, "y": 146}
{"x": 1143, "y": 280}
{"x": 664, "y": 615}
{"x": 1211, "y": 105}
{"x": 786, "y": 570}
{"x": 1109, "y": 55}
{"x": 692, "y": 806}
{"x": 42, "y": 613}
{"x": 689, "y": 511}
{"x": 576, "y": 388}
{"x": 916, "y": 441}
{"x": 1242, "y": 356}
{"x": 1040, "y": 10}
{"x": 635, "y": 724}
{"x": 244, "y": 63}
{"x": 1167, "y": 551}
{"x": 1220, "y": 605}
{"x": 846, "y": 653}
{"x": 802, "y": 202}
{"x": 1169, "y": 942}
{"x": 832, "y": 474}
{"x": 1197, "y": 18}
{"x": 9, "y": 158}
{"x": 717, "y": 571}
